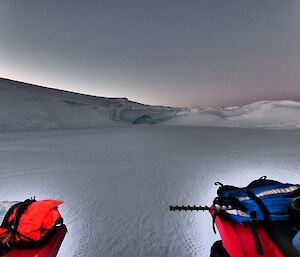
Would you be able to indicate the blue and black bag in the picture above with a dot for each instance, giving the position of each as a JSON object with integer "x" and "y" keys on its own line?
{"x": 261, "y": 200}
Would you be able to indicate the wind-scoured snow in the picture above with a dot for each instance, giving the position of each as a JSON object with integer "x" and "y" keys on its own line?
{"x": 117, "y": 183}
{"x": 27, "y": 107}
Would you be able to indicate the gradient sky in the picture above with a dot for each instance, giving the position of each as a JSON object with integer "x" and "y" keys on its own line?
{"x": 166, "y": 52}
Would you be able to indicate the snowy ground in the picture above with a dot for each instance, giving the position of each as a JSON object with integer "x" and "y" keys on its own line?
{"x": 117, "y": 183}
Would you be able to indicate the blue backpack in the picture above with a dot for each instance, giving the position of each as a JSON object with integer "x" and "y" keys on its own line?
{"x": 261, "y": 200}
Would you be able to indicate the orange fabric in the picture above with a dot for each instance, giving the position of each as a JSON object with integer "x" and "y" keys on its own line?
{"x": 38, "y": 218}
{"x": 49, "y": 249}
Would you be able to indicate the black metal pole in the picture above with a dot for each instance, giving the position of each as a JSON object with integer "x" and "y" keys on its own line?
{"x": 199, "y": 208}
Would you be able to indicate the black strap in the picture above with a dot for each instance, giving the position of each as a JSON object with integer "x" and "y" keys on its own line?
{"x": 8, "y": 214}
{"x": 253, "y": 226}
{"x": 12, "y": 226}
{"x": 214, "y": 216}
{"x": 258, "y": 245}
{"x": 254, "y": 222}
{"x": 260, "y": 204}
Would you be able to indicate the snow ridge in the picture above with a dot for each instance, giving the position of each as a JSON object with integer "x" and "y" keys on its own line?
{"x": 26, "y": 107}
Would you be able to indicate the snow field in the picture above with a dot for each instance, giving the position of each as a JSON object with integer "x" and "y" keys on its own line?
{"x": 118, "y": 183}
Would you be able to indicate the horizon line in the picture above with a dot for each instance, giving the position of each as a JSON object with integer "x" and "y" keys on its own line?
{"x": 154, "y": 105}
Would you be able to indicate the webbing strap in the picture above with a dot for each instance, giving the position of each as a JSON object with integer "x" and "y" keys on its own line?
{"x": 8, "y": 213}
{"x": 260, "y": 204}
{"x": 253, "y": 223}
{"x": 12, "y": 226}
{"x": 258, "y": 245}
{"x": 20, "y": 211}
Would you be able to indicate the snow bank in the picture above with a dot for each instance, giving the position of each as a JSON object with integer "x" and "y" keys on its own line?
{"x": 268, "y": 114}
{"x": 26, "y": 107}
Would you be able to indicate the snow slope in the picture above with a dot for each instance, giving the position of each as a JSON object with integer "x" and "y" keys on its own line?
{"x": 269, "y": 114}
{"x": 117, "y": 183}
{"x": 28, "y": 107}
{"x": 25, "y": 107}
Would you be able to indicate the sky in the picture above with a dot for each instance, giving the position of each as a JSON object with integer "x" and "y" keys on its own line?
{"x": 161, "y": 52}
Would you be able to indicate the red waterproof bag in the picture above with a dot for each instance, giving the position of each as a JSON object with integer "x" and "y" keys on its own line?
{"x": 29, "y": 222}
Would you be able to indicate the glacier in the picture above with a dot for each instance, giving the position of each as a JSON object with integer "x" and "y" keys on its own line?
{"x": 26, "y": 107}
